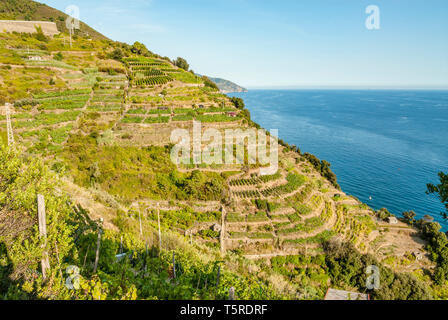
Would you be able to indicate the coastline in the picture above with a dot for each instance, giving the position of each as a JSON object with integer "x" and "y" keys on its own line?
{"x": 352, "y": 185}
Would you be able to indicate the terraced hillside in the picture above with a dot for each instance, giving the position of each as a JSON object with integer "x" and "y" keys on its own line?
{"x": 101, "y": 115}
{"x": 137, "y": 103}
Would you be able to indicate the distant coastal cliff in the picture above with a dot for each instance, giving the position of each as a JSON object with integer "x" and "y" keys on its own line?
{"x": 227, "y": 86}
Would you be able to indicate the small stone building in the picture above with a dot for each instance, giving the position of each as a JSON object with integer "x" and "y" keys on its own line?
{"x": 418, "y": 255}
{"x": 333, "y": 294}
{"x": 216, "y": 227}
{"x": 392, "y": 220}
{"x": 35, "y": 58}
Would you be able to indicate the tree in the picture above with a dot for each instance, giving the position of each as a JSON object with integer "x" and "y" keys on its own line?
{"x": 238, "y": 102}
{"x": 117, "y": 54}
{"x": 246, "y": 113}
{"x": 58, "y": 56}
{"x": 346, "y": 267}
{"x": 209, "y": 83}
{"x": 383, "y": 214}
{"x": 324, "y": 167}
{"x": 140, "y": 48}
{"x": 182, "y": 63}
{"x": 441, "y": 190}
{"x": 409, "y": 216}
{"x": 431, "y": 229}
{"x": 40, "y": 34}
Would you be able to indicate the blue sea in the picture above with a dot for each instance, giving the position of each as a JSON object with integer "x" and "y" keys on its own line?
{"x": 382, "y": 144}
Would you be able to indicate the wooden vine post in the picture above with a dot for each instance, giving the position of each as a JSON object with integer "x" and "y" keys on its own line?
{"x": 223, "y": 231}
{"x": 232, "y": 293}
{"x": 98, "y": 245}
{"x": 10, "y": 134}
{"x": 140, "y": 222}
{"x": 59, "y": 261}
{"x": 45, "y": 263}
{"x": 85, "y": 257}
{"x": 145, "y": 265}
{"x": 174, "y": 265}
{"x": 160, "y": 233}
{"x": 217, "y": 281}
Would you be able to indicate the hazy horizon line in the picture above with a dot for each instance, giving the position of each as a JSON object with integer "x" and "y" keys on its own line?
{"x": 435, "y": 88}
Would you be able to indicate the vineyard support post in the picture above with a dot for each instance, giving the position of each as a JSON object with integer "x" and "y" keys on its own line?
{"x": 217, "y": 281}
{"x": 223, "y": 231}
{"x": 146, "y": 257}
{"x": 98, "y": 245}
{"x": 10, "y": 134}
{"x": 160, "y": 233}
{"x": 59, "y": 261}
{"x": 140, "y": 222}
{"x": 174, "y": 265}
{"x": 45, "y": 263}
{"x": 197, "y": 286}
{"x": 232, "y": 293}
{"x": 261, "y": 289}
{"x": 85, "y": 257}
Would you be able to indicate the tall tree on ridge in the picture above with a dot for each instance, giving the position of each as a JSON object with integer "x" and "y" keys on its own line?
{"x": 441, "y": 190}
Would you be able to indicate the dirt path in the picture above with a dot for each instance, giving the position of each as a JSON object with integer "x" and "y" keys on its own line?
{"x": 200, "y": 206}
{"x": 96, "y": 210}
{"x": 290, "y": 251}
{"x": 208, "y": 170}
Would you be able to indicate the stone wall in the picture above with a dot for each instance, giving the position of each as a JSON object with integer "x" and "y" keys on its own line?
{"x": 48, "y": 28}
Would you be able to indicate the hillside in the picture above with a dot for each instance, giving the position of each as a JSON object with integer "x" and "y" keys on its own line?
{"x": 227, "y": 86}
{"x": 35, "y": 11}
{"x": 92, "y": 127}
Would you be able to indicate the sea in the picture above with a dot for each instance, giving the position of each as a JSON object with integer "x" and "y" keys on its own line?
{"x": 385, "y": 146}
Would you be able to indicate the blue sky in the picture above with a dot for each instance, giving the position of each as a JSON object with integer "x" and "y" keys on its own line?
{"x": 287, "y": 43}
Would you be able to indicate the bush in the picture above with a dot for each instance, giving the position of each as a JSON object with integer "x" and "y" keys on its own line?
{"x": 323, "y": 167}
{"x": 39, "y": 35}
{"x": 182, "y": 63}
{"x": 383, "y": 214}
{"x": 209, "y": 83}
{"x": 58, "y": 56}
{"x": 347, "y": 266}
{"x": 238, "y": 102}
{"x": 117, "y": 54}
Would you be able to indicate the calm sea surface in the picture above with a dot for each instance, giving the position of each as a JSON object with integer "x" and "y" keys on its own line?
{"x": 382, "y": 144}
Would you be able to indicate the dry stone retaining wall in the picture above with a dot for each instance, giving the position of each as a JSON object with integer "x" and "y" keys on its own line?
{"x": 48, "y": 28}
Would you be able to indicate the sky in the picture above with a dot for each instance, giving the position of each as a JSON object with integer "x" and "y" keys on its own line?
{"x": 287, "y": 43}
